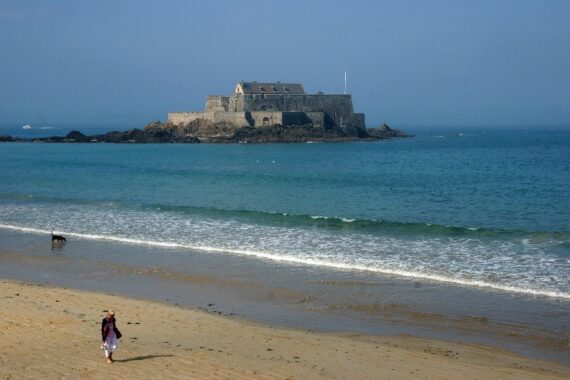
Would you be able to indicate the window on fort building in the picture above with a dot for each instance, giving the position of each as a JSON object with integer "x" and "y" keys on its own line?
{"x": 262, "y": 88}
{"x": 273, "y": 88}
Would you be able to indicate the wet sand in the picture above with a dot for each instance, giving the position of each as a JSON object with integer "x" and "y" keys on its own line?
{"x": 295, "y": 297}
{"x": 48, "y": 332}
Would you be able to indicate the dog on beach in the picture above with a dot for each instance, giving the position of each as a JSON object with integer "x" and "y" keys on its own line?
{"x": 57, "y": 239}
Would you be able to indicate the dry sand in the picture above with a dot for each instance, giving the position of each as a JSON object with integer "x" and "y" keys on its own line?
{"x": 48, "y": 333}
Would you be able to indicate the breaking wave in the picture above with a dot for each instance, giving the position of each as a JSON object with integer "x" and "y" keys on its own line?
{"x": 302, "y": 220}
{"x": 533, "y": 263}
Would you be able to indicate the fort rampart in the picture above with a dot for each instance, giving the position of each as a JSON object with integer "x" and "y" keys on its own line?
{"x": 255, "y": 109}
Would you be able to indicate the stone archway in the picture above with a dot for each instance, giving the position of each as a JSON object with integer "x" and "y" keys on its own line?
{"x": 265, "y": 121}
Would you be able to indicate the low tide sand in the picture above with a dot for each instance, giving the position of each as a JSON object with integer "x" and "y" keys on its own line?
{"x": 54, "y": 333}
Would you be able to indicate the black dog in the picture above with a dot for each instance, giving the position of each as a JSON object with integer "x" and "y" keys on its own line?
{"x": 57, "y": 239}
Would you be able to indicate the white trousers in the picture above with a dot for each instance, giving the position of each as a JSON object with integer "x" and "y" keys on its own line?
{"x": 110, "y": 345}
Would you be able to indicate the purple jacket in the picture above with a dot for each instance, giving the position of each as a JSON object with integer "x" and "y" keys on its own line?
{"x": 105, "y": 328}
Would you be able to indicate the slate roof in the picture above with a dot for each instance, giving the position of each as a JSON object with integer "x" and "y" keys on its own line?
{"x": 272, "y": 88}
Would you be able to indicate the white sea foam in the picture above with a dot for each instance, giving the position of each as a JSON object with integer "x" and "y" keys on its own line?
{"x": 345, "y": 220}
{"x": 309, "y": 261}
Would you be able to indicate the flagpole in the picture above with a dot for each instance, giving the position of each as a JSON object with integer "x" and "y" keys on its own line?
{"x": 345, "y": 79}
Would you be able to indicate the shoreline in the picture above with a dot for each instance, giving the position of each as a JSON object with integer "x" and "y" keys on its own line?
{"x": 177, "y": 342}
{"x": 293, "y": 296}
{"x": 290, "y": 260}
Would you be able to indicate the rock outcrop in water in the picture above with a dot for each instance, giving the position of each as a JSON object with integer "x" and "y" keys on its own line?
{"x": 204, "y": 131}
{"x": 386, "y": 132}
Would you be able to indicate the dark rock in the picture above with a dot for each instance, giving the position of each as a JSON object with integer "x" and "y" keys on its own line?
{"x": 386, "y": 132}
{"x": 76, "y": 136}
{"x": 205, "y": 131}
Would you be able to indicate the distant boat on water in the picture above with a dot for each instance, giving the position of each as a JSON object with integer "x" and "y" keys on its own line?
{"x": 27, "y": 126}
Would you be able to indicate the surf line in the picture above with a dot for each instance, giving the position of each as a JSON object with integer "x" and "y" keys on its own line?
{"x": 284, "y": 258}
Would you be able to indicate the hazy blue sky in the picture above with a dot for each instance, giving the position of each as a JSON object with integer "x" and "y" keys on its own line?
{"x": 410, "y": 63}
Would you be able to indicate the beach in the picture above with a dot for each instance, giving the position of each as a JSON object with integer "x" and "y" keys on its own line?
{"x": 282, "y": 190}
{"x": 50, "y": 332}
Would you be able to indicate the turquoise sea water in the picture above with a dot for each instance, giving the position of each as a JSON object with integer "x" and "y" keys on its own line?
{"x": 481, "y": 208}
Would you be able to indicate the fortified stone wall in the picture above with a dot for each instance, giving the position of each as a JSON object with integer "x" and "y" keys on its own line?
{"x": 217, "y": 103}
{"x": 337, "y": 107}
{"x": 238, "y": 118}
{"x": 185, "y": 117}
{"x": 304, "y": 118}
{"x": 316, "y": 118}
{"x": 267, "y": 118}
{"x": 284, "y": 109}
{"x": 358, "y": 120}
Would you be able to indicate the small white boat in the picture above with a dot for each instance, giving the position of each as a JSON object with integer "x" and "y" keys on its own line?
{"x": 27, "y": 126}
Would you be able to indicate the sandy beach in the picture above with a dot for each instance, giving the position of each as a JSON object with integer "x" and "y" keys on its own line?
{"x": 54, "y": 333}
{"x": 284, "y": 190}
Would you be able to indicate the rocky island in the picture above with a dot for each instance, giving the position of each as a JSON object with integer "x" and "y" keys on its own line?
{"x": 271, "y": 112}
{"x": 200, "y": 132}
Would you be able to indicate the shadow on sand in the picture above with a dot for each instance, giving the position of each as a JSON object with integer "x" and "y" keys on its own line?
{"x": 145, "y": 357}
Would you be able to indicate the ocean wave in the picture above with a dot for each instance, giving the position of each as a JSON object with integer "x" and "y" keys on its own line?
{"x": 322, "y": 221}
{"x": 307, "y": 261}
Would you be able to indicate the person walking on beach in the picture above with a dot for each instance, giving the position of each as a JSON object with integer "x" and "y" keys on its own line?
{"x": 110, "y": 334}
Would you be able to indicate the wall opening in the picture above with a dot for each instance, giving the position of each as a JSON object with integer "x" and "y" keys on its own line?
{"x": 265, "y": 121}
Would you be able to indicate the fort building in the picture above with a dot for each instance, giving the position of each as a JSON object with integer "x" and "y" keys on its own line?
{"x": 256, "y": 104}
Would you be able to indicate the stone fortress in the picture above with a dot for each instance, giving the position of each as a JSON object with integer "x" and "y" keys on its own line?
{"x": 255, "y": 113}
{"x": 255, "y": 104}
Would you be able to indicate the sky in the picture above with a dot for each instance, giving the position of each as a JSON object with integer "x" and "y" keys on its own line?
{"x": 409, "y": 63}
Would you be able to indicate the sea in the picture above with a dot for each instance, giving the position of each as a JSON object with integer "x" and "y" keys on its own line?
{"x": 477, "y": 209}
